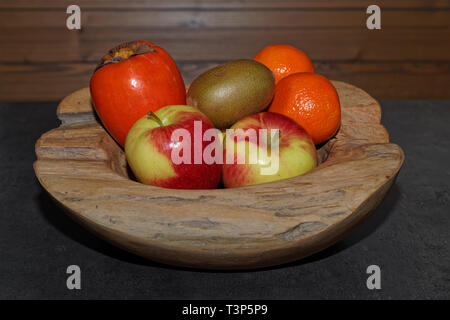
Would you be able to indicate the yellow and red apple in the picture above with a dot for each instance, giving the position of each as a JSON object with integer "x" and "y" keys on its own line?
{"x": 166, "y": 149}
{"x": 252, "y": 157}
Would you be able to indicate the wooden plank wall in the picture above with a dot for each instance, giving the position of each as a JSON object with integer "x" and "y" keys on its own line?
{"x": 408, "y": 59}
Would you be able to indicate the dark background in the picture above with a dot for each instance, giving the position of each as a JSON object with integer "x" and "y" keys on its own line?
{"x": 407, "y": 236}
{"x": 409, "y": 58}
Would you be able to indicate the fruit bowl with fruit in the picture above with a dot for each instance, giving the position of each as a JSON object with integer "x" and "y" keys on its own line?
{"x": 259, "y": 163}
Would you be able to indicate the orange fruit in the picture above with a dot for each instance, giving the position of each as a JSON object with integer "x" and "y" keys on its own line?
{"x": 312, "y": 101}
{"x": 284, "y": 60}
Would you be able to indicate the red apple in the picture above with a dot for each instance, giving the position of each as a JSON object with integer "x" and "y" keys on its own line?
{"x": 167, "y": 149}
{"x": 250, "y": 157}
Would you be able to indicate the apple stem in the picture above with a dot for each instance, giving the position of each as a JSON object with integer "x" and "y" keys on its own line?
{"x": 152, "y": 115}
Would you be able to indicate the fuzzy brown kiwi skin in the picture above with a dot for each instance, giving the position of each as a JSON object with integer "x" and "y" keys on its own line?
{"x": 232, "y": 91}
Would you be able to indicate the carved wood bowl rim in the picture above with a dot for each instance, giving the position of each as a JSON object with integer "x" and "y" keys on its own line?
{"x": 85, "y": 171}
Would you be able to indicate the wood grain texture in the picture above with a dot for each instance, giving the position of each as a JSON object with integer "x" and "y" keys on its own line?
{"x": 85, "y": 171}
{"x": 220, "y": 4}
{"x": 41, "y": 60}
{"x": 385, "y": 80}
{"x": 231, "y": 19}
{"x": 55, "y": 45}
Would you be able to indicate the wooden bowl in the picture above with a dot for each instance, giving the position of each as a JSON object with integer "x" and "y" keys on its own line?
{"x": 85, "y": 171}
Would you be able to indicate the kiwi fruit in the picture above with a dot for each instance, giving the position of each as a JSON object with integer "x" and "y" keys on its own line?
{"x": 232, "y": 91}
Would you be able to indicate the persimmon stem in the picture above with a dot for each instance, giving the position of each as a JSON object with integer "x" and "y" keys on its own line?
{"x": 155, "y": 117}
{"x": 125, "y": 51}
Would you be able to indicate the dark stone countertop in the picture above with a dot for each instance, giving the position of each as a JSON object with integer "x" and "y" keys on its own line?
{"x": 408, "y": 236}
